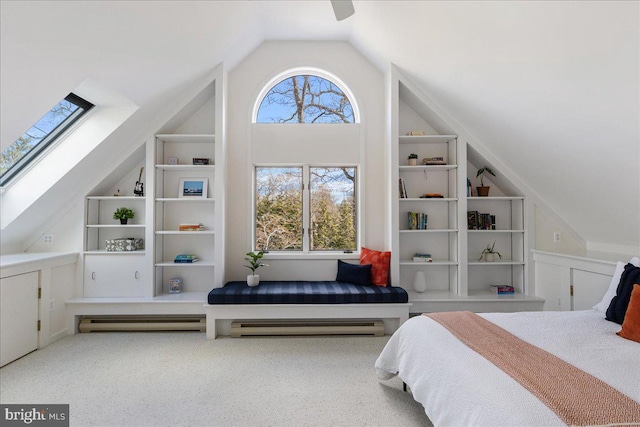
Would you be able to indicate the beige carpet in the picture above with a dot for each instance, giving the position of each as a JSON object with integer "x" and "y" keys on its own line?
{"x": 182, "y": 379}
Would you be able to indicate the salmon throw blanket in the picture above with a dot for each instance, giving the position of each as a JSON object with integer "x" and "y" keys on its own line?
{"x": 576, "y": 397}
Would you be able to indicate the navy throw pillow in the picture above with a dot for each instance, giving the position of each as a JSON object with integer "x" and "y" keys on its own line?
{"x": 618, "y": 306}
{"x": 354, "y": 273}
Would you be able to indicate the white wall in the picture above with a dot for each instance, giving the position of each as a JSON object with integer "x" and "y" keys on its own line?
{"x": 244, "y": 85}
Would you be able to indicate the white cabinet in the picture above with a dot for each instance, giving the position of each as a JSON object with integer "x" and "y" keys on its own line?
{"x": 569, "y": 282}
{"x": 108, "y": 276}
{"x": 18, "y": 316}
{"x": 114, "y": 273}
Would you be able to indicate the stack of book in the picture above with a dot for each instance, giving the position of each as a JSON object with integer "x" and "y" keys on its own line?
{"x": 417, "y": 221}
{"x": 433, "y": 161}
{"x": 185, "y": 258}
{"x": 422, "y": 258}
{"x": 191, "y": 227}
{"x": 503, "y": 290}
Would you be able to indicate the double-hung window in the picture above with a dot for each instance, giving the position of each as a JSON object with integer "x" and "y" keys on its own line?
{"x": 306, "y": 208}
{"x": 41, "y": 135}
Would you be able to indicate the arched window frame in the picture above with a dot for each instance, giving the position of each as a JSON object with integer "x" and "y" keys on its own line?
{"x": 301, "y": 71}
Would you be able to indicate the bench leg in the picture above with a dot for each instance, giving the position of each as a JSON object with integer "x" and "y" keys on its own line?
{"x": 211, "y": 327}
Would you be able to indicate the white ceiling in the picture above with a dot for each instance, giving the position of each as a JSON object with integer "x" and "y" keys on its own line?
{"x": 550, "y": 88}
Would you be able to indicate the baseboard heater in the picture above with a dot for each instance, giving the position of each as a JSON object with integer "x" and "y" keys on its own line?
{"x": 306, "y": 327}
{"x": 142, "y": 323}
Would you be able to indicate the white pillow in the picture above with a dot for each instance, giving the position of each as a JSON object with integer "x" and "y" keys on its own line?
{"x": 603, "y": 305}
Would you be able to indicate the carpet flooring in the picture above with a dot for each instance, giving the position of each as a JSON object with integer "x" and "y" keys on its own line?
{"x": 182, "y": 379}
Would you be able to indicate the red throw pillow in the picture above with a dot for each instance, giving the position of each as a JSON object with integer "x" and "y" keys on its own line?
{"x": 631, "y": 324}
{"x": 379, "y": 265}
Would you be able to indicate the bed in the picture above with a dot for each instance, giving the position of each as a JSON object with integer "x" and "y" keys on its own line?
{"x": 459, "y": 387}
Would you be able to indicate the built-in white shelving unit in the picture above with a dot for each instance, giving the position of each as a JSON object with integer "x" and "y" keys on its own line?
{"x": 171, "y": 211}
{"x": 455, "y": 278}
{"x": 136, "y": 282}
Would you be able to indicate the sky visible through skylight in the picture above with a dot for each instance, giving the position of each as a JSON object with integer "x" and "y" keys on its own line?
{"x": 35, "y": 135}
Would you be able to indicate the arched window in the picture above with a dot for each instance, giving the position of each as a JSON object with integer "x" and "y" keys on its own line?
{"x": 306, "y": 98}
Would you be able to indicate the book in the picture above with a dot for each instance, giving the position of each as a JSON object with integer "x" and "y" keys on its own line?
{"x": 434, "y": 161}
{"x": 417, "y": 221}
{"x": 422, "y": 258}
{"x": 480, "y": 221}
{"x": 185, "y": 258}
{"x": 403, "y": 189}
{"x": 191, "y": 227}
{"x": 503, "y": 290}
{"x": 416, "y": 133}
{"x": 201, "y": 161}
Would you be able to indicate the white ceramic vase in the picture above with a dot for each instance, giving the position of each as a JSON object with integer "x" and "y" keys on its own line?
{"x": 420, "y": 282}
{"x": 253, "y": 279}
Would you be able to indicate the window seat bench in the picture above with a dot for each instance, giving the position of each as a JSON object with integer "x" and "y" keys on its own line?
{"x": 286, "y": 301}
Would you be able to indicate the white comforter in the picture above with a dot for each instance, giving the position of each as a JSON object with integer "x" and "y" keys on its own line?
{"x": 458, "y": 387}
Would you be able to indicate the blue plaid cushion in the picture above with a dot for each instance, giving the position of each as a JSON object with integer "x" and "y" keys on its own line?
{"x": 301, "y": 292}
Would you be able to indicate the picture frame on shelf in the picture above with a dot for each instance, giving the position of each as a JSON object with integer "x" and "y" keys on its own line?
{"x": 193, "y": 188}
{"x": 172, "y": 161}
{"x": 175, "y": 286}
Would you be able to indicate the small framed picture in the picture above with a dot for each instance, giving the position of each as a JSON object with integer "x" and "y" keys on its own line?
{"x": 172, "y": 161}
{"x": 193, "y": 188}
{"x": 175, "y": 286}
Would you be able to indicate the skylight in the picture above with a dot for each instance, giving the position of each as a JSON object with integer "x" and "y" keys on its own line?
{"x": 41, "y": 135}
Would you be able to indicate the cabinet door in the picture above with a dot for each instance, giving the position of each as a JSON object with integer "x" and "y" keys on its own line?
{"x": 18, "y": 316}
{"x": 115, "y": 276}
{"x": 588, "y": 288}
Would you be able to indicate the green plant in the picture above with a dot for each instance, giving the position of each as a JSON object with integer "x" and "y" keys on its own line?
{"x": 412, "y": 156}
{"x": 482, "y": 171}
{"x": 253, "y": 258}
{"x": 123, "y": 213}
{"x": 490, "y": 249}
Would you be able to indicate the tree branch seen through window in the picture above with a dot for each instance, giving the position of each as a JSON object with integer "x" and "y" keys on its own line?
{"x": 305, "y": 99}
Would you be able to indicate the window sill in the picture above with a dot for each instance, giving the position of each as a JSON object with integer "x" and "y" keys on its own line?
{"x": 310, "y": 256}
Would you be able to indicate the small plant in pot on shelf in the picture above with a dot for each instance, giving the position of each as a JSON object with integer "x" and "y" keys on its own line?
{"x": 123, "y": 214}
{"x": 412, "y": 159}
{"x": 253, "y": 258}
{"x": 489, "y": 253}
{"x": 483, "y": 191}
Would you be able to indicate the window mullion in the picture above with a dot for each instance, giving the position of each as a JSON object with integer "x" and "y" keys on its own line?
{"x": 306, "y": 210}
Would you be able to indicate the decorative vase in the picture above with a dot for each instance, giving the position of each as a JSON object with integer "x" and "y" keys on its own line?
{"x": 420, "y": 282}
{"x": 253, "y": 279}
{"x": 412, "y": 162}
{"x": 123, "y": 221}
{"x": 489, "y": 256}
{"x": 483, "y": 191}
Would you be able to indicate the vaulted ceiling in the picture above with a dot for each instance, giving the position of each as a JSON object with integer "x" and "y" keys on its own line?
{"x": 550, "y": 88}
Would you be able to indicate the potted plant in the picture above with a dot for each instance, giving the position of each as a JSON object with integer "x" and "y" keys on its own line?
{"x": 123, "y": 214}
{"x": 412, "y": 159}
{"x": 489, "y": 253}
{"x": 482, "y": 190}
{"x": 253, "y": 258}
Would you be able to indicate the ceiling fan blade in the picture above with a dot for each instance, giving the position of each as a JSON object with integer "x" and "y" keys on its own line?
{"x": 342, "y": 8}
